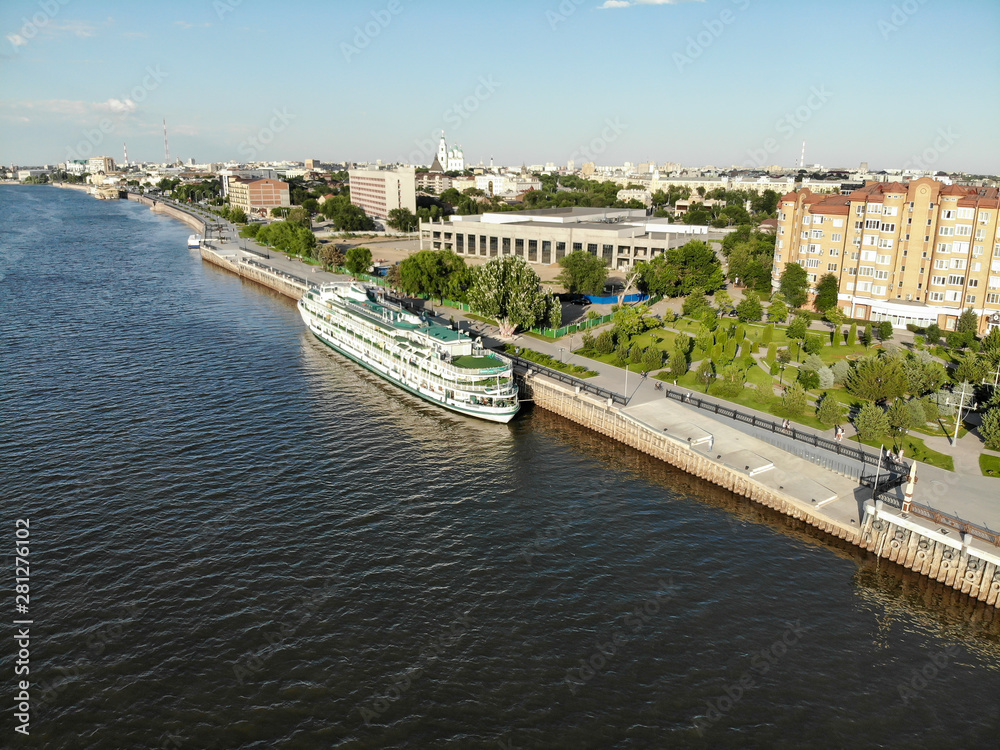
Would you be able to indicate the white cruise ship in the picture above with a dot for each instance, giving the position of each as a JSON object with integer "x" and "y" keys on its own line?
{"x": 428, "y": 359}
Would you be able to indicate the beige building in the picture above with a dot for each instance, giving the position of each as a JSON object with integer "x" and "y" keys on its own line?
{"x": 258, "y": 197}
{"x": 911, "y": 253}
{"x": 96, "y": 164}
{"x": 379, "y": 191}
{"x": 621, "y": 236}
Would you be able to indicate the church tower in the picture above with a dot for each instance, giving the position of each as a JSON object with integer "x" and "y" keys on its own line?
{"x": 442, "y": 154}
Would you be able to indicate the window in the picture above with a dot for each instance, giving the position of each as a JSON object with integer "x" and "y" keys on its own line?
{"x": 858, "y": 225}
{"x": 942, "y": 264}
{"x": 994, "y": 282}
{"x": 868, "y": 255}
{"x": 592, "y": 248}
{"x": 889, "y": 210}
{"x": 532, "y": 250}
{"x": 834, "y": 252}
{"x": 546, "y": 251}
{"x": 859, "y": 211}
{"x": 779, "y": 244}
{"x": 958, "y": 263}
{"x": 506, "y": 245}
{"x": 852, "y": 272}
{"x": 806, "y": 219}
{"x": 849, "y": 286}
{"x": 993, "y": 299}
{"x": 943, "y": 247}
{"x": 888, "y": 227}
{"x": 607, "y": 251}
{"x": 870, "y": 239}
{"x": 984, "y": 217}
{"x": 854, "y": 256}
{"x": 956, "y": 280}
{"x": 577, "y": 246}
{"x": 493, "y": 245}
{"x": 817, "y": 219}
{"x": 965, "y": 213}
{"x": 963, "y": 230}
{"x": 817, "y": 234}
{"x": 812, "y": 263}
{"x": 836, "y": 238}
{"x": 838, "y": 222}
{"x": 935, "y": 296}
{"x": 519, "y": 247}
{"x": 882, "y": 275}
{"x": 815, "y": 249}
{"x": 804, "y": 235}
{"x": 878, "y": 289}
{"x": 885, "y": 243}
{"x": 949, "y": 214}
{"x": 864, "y": 286}
{"x": 866, "y": 271}
{"x": 831, "y": 266}
{"x": 976, "y": 267}
{"x": 970, "y": 299}
{"x": 884, "y": 260}
{"x": 938, "y": 280}
{"x": 946, "y": 231}
{"x": 460, "y": 243}
{"x": 874, "y": 208}
{"x": 954, "y": 296}
{"x": 973, "y": 283}
{"x": 873, "y": 224}
{"x": 980, "y": 234}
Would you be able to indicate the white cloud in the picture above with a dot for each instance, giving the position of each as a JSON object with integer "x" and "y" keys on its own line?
{"x": 186, "y": 25}
{"x": 118, "y": 106}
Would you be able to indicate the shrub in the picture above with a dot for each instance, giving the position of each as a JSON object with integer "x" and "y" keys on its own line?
{"x": 678, "y": 363}
{"x": 621, "y": 354}
{"x": 813, "y": 344}
{"x": 652, "y": 359}
{"x": 989, "y": 430}
{"x": 918, "y": 415}
{"x": 808, "y": 378}
{"x": 794, "y": 400}
{"x": 841, "y": 371}
{"x": 605, "y": 343}
{"x": 587, "y": 342}
{"x": 812, "y": 362}
{"x": 825, "y": 377}
{"x": 852, "y": 335}
{"x": 768, "y": 334}
{"x": 830, "y": 411}
{"x": 930, "y": 407}
{"x": 635, "y": 355}
{"x": 731, "y": 380}
{"x": 669, "y": 316}
{"x": 705, "y": 373}
{"x": 772, "y": 352}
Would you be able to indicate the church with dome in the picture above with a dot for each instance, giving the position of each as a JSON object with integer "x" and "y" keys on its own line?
{"x": 448, "y": 159}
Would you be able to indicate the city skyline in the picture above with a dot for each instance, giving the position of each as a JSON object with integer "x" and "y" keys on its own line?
{"x": 724, "y": 83}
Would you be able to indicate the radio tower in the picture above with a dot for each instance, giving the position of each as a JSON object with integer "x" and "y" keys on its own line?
{"x": 125, "y": 149}
{"x": 166, "y": 146}
{"x": 802, "y": 159}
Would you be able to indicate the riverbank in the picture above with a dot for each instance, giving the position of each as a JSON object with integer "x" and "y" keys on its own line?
{"x": 807, "y": 486}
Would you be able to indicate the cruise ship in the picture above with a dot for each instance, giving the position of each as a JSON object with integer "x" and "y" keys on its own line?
{"x": 430, "y": 360}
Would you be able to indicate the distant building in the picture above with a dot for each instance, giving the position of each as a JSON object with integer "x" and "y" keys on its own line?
{"x": 379, "y": 191}
{"x": 77, "y": 166}
{"x": 23, "y": 174}
{"x": 312, "y": 164}
{"x": 643, "y": 196}
{"x": 910, "y": 253}
{"x": 507, "y": 184}
{"x": 97, "y": 164}
{"x": 452, "y": 159}
{"x": 258, "y": 197}
{"x": 621, "y": 236}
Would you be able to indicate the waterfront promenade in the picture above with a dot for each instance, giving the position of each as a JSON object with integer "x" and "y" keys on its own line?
{"x": 776, "y": 462}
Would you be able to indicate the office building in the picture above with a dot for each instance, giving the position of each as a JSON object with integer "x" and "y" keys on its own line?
{"x": 258, "y": 197}
{"x": 379, "y": 191}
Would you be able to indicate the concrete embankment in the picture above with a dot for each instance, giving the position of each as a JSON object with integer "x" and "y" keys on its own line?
{"x": 285, "y": 283}
{"x": 910, "y": 540}
{"x": 160, "y": 207}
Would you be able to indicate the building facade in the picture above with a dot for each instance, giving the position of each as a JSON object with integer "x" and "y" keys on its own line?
{"x": 912, "y": 253}
{"x": 258, "y": 197}
{"x": 96, "y": 164}
{"x": 621, "y": 236}
{"x": 379, "y": 191}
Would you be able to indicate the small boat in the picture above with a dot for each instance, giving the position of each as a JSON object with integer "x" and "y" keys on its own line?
{"x": 194, "y": 242}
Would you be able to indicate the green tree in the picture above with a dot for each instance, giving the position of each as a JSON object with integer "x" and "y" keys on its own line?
{"x": 970, "y": 368}
{"x": 871, "y": 422}
{"x": 794, "y": 400}
{"x": 826, "y": 292}
{"x": 678, "y": 363}
{"x": 402, "y": 219}
{"x": 605, "y": 343}
{"x": 508, "y": 290}
{"x": 777, "y": 312}
{"x": 238, "y": 216}
{"x": 798, "y": 327}
{"x": 681, "y": 270}
{"x": 731, "y": 381}
{"x": 900, "y": 419}
{"x": 794, "y": 284}
{"x": 435, "y": 273}
{"x": 723, "y": 300}
{"x": 830, "y": 411}
{"x": 582, "y": 273}
{"x": 331, "y": 256}
{"x": 652, "y": 359}
{"x": 812, "y": 344}
{"x": 989, "y": 430}
{"x": 852, "y": 335}
{"x": 632, "y": 320}
{"x": 885, "y": 330}
{"x": 358, "y": 260}
{"x": 749, "y": 310}
{"x": 866, "y": 336}
{"x": 918, "y": 415}
{"x": 968, "y": 322}
{"x": 877, "y": 378}
{"x": 705, "y": 373}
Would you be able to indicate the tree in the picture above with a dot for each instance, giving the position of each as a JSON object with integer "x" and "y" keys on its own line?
{"x": 899, "y": 417}
{"x": 852, "y": 335}
{"x": 582, "y": 273}
{"x": 435, "y": 273}
{"x": 605, "y": 343}
{"x": 778, "y": 311}
{"x": 933, "y": 334}
{"x": 885, "y": 330}
{"x": 794, "y": 399}
{"x": 705, "y": 373}
{"x": 749, "y": 310}
{"x": 866, "y": 336}
{"x": 968, "y": 322}
{"x": 877, "y": 378}
{"x": 508, "y": 290}
{"x": 794, "y": 283}
{"x": 358, "y": 260}
{"x": 871, "y": 423}
{"x": 652, "y": 359}
{"x": 331, "y": 256}
{"x": 798, "y": 327}
{"x": 971, "y": 368}
{"x": 830, "y": 411}
{"x": 678, "y": 363}
{"x": 631, "y": 320}
{"x": 238, "y": 216}
{"x": 723, "y": 300}
{"x": 681, "y": 270}
{"x": 989, "y": 430}
{"x": 826, "y": 293}
{"x": 731, "y": 381}
{"x": 694, "y": 303}
{"x": 402, "y": 219}
{"x": 918, "y": 415}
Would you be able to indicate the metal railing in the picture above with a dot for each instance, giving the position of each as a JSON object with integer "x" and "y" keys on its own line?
{"x": 845, "y": 450}
{"x": 583, "y": 385}
{"x": 277, "y": 272}
{"x": 946, "y": 519}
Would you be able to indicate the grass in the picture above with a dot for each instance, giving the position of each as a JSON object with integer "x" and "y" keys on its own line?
{"x": 914, "y": 448}
{"x": 989, "y": 465}
{"x": 578, "y": 371}
{"x": 481, "y": 319}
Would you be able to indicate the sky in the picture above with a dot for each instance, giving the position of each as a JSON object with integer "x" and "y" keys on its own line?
{"x": 701, "y": 82}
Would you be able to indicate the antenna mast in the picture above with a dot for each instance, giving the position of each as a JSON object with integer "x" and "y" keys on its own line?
{"x": 166, "y": 146}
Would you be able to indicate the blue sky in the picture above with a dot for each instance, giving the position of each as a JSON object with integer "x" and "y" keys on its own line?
{"x": 699, "y": 82}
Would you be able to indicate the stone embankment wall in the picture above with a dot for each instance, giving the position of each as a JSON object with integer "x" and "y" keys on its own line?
{"x": 160, "y": 207}
{"x": 887, "y": 533}
{"x": 273, "y": 280}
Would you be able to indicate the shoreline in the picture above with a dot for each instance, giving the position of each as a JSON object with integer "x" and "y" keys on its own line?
{"x": 954, "y": 559}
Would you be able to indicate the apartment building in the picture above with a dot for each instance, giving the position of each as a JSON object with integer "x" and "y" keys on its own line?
{"x": 258, "y": 197}
{"x": 379, "y": 191}
{"x": 912, "y": 253}
{"x": 98, "y": 164}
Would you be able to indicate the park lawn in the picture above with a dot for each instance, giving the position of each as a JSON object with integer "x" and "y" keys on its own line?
{"x": 915, "y": 449}
{"x": 645, "y": 340}
{"x": 481, "y": 319}
{"x": 577, "y": 371}
{"x": 830, "y": 354}
{"x": 943, "y": 428}
{"x": 989, "y": 465}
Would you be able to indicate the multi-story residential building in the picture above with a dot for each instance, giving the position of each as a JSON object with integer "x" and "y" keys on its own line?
{"x": 97, "y": 164}
{"x": 622, "y": 236}
{"x": 258, "y": 197}
{"x": 379, "y": 191}
{"x": 914, "y": 253}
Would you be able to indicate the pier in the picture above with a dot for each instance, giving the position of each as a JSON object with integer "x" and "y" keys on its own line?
{"x": 845, "y": 491}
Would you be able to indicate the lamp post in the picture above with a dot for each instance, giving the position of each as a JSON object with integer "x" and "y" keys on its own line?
{"x": 561, "y": 350}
